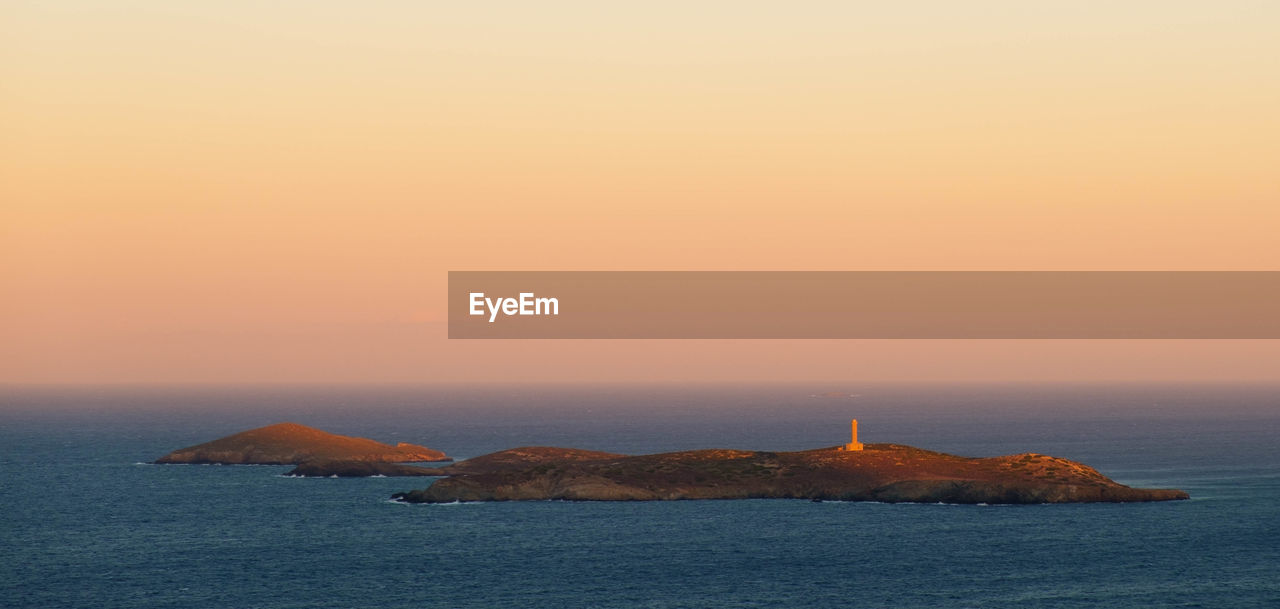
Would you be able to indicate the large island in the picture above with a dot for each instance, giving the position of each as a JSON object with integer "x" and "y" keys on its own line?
{"x": 854, "y": 472}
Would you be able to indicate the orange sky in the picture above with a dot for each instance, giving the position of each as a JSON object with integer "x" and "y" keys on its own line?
{"x": 236, "y": 192}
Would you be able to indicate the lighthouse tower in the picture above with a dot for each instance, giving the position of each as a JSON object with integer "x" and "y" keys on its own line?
{"x": 853, "y": 444}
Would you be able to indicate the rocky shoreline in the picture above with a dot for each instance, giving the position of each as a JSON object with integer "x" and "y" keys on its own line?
{"x": 889, "y": 473}
{"x": 293, "y": 444}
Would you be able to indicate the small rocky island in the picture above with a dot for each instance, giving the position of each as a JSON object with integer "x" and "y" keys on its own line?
{"x": 294, "y": 444}
{"x": 854, "y": 472}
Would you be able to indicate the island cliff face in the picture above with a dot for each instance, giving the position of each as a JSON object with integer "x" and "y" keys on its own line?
{"x": 291, "y": 444}
{"x": 880, "y": 472}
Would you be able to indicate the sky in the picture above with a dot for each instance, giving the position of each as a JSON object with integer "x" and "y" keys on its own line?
{"x": 246, "y": 192}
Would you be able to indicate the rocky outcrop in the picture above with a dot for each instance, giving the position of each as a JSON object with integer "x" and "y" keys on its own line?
{"x": 359, "y": 469}
{"x": 506, "y": 461}
{"x": 291, "y": 444}
{"x": 881, "y": 472}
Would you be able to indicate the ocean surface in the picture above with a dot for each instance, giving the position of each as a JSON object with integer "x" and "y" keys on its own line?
{"x": 86, "y": 522}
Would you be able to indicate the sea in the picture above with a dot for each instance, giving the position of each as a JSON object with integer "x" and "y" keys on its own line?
{"x": 86, "y": 521}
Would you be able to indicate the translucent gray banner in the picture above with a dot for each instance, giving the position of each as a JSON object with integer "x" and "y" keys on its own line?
{"x": 859, "y": 304}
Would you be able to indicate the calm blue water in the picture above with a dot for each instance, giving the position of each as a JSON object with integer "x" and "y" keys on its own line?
{"x": 85, "y": 524}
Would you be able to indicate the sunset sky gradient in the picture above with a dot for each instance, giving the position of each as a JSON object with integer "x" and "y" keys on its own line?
{"x": 250, "y": 192}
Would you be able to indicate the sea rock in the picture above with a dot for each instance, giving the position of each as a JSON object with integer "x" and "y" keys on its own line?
{"x": 291, "y": 444}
